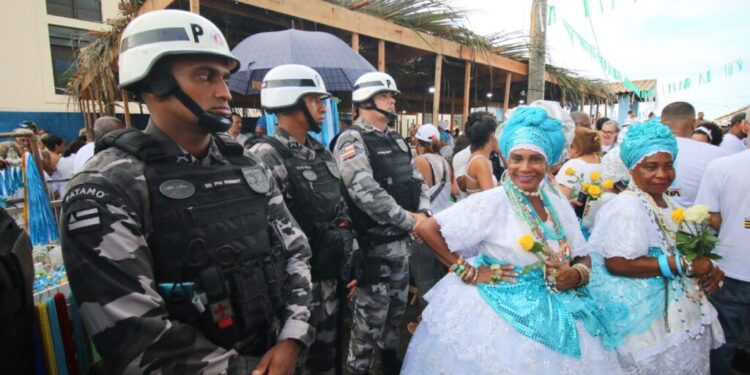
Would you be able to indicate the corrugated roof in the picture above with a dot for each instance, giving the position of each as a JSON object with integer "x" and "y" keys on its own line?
{"x": 644, "y": 84}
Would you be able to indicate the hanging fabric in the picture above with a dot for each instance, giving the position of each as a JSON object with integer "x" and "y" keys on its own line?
{"x": 80, "y": 338}
{"x": 38, "y": 350}
{"x": 66, "y": 330}
{"x": 57, "y": 343}
{"x": 42, "y": 225}
{"x": 49, "y": 352}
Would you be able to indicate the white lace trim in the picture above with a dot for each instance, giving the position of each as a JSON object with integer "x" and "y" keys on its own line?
{"x": 530, "y": 147}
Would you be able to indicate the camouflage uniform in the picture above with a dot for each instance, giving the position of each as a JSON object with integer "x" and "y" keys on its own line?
{"x": 378, "y": 308}
{"x": 111, "y": 270}
{"x": 322, "y": 355}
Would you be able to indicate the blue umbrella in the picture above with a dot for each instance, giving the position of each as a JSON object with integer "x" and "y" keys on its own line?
{"x": 336, "y": 62}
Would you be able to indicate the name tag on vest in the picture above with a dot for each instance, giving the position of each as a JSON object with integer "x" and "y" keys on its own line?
{"x": 221, "y": 183}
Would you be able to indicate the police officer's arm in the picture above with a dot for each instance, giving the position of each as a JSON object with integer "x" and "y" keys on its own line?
{"x": 110, "y": 270}
{"x": 268, "y": 155}
{"x": 365, "y": 192}
{"x": 298, "y": 283}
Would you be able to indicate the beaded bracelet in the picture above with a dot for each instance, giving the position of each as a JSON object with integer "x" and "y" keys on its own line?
{"x": 664, "y": 266}
{"x": 584, "y": 272}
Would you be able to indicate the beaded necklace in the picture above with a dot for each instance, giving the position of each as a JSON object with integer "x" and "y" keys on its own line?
{"x": 541, "y": 233}
{"x": 668, "y": 247}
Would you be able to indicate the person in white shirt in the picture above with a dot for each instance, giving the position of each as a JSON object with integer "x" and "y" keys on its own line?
{"x": 738, "y": 129}
{"x": 461, "y": 159}
{"x": 725, "y": 189}
{"x": 102, "y": 126}
{"x": 631, "y": 119}
{"x": 586, "y": 154}
{"x": 693, "y": 156}
{"x": 235, "y": 130}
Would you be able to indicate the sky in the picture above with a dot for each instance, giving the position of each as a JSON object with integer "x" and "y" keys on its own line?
{"x": 667, "y": 40}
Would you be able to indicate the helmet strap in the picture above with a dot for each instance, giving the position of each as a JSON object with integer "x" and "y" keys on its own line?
{"x": 314, "y": 126}
{"x": 391, "y": 116}
{"x": 207, "y": 121}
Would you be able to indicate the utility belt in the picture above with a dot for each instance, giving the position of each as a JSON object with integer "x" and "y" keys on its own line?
{"x": 234, "y": 306}
{"x": 380, "y": 236}
{"x": 330, "y": 245}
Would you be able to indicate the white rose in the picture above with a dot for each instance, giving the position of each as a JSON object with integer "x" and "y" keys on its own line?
{"x": 697, "y": 214}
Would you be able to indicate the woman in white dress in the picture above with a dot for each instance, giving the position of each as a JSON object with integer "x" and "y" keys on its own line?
{"x": 491, "y": 317}
{"x": 671, "y": 326}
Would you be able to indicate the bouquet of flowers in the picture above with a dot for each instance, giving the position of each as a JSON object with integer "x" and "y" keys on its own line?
{"x": 592, "y": 188}
{"x": 694, "y": 237}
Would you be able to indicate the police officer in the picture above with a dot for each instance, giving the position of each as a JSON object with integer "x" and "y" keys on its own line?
{"x": 180, "y": 251}
{"x": 386, "y": 197}
{"x": 308, "y": 178}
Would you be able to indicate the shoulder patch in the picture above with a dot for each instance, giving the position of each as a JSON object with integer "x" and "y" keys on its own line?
{"x": 83, "y": 220}
{"x": 94, "y": 192}
{"x": 348, "y": 152}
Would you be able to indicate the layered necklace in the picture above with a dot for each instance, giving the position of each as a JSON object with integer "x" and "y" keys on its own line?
{"x": 667, "y": 238}
{"x": 525, "y": 211}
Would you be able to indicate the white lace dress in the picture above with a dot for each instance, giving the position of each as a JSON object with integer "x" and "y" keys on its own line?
{"x": 694, "y": 327}
{"x": 461, "y": 334}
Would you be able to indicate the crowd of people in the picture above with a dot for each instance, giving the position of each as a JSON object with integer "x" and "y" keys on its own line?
{"x": 547, "y": 243}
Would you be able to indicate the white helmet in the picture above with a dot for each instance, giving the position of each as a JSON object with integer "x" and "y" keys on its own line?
{"x": 373, "y": 83}
{"x": 284, "y": 85}
{"x": 157, "y": 34}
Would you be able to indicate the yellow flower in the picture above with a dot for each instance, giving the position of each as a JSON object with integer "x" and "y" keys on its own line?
{"x": 608, "y": 184}
{"x": 526, "y": 242}
{"x": 594, "y": 191}
{"x": 596, "y": 176}
{"x": 570, "y": 171}
{"x": 585, "y": 186}
{"x": 678, "y": 215}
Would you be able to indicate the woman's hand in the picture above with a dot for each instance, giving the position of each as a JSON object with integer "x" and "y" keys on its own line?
{"x": 712, "y": 281}
{"x": 567, "y": 277}
{"x": 506, "y": 273}
{"x": 702, "y": 266}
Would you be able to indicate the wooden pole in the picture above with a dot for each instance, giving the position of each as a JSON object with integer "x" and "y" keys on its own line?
{"x": 126, "y": 108}
{"x": 355, "y": 42}
{"x": 381, "y": 55}
{"x": 453, "y": 108}
{"x": 467, "y": 91}
{"x": 195, "y": 6}
{"x": 506, "y": 98}
{"x": 436, "y": 94}
{"x": 538, "y": 52}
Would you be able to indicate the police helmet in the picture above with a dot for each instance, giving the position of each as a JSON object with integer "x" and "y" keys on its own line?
{"x": 370, "y": 84}
{"x": 285, "y": 85}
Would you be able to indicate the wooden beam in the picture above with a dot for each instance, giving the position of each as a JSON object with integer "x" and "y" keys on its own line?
{"x": 325, "y": 13}
{"x": 436, "y": 95}
{"x": 467, "y": 91}
{"x": 381, "y": 55}
{"x": 150, "y": 5}
{"x": 506, "y": 98}
{"x": 453, "y": 107}
{"x": 195, "y": 6}
{"x": 355, "y": 42}
{"x": 360, "y": 4}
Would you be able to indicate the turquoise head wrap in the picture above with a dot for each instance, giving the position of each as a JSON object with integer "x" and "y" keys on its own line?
{"x": 531, "y": 128}
{"x": 647, "y": 139}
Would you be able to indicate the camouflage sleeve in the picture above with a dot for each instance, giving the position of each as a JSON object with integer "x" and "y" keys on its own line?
{"x": 424, "y": 199}
{"x": 298, "y": 284}
{"x": 366, "y": 193}
{"x": 110, "y": 270}
{"x": 268, "y": 155}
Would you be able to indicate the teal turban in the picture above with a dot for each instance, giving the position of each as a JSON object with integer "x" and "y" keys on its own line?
{"x": 646, "y": 139}
{"x": 531, "y": 128}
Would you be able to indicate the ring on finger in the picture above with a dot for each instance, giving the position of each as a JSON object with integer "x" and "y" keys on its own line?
{"x": 721, "y": 283}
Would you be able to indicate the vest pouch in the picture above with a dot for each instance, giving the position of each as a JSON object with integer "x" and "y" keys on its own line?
{"x": 253, "y": 310}
{"x": 329, "y": 249}
{"x": 373, "y": 271}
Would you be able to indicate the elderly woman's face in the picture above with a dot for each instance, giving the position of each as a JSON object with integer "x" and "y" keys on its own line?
{"x": 655, "y": 173}
{"x": 526, "y": 169}
{"x": 609, "y": 132}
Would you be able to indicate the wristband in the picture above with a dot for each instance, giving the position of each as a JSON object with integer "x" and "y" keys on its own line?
{"x": 678, "y": 262}
{"x": 664, "y": 266}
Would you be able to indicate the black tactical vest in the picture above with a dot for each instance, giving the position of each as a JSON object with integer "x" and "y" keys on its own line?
{"x": 213, "y": 259}
{"x": 315, "y": 190}
{"x": 390, "y": 159}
